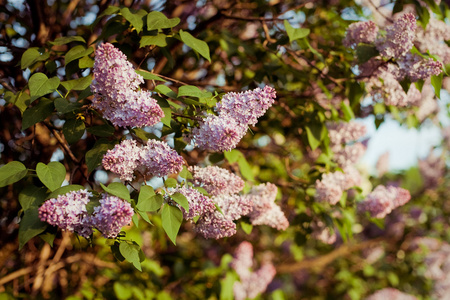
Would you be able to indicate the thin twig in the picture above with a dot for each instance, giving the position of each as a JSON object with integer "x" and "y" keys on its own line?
{"x": 61, "y": 142}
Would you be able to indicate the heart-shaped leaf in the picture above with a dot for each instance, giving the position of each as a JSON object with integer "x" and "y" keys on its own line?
{"x": 51, "y": 175}
{"x": 41, "y": 85}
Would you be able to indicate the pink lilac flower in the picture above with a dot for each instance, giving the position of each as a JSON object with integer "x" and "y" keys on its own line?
{"x": 399, "y": 37}
{"x": 112, "y": 214}
{"x": 251, "y": 283}
{"x": 432, "y": 39}
{"x": 349, "y": 154}
{"x": 342, "y": 133}
{"x": 382, "y": 200}
{"x": 116, "y": 91}
{"x": 391, "y": 294}
{"x": 384, "y": 87}
{"x": 382, "y": 165}
{"x": 360, "y": 32}
{"x": 199, "y": 204}
{"x": 217, "y": 181}
{"x": 416, "y": 67}
{"x": 68, "y": 212}
{"x": 332, "y": 185}
{"x": 218, "y": 133}
{"x": 234, "y": 206}
{"x": 158, "y": 159}
{"x": 432, "y": 170}
{"x": 322, "y": 233}
{"x": 428, "y": 104}
{"x": 265, "y": 211}
{"x": 122, "y": 159}
{"x": 215, "y": 225}
{"x": 246, "y": 107}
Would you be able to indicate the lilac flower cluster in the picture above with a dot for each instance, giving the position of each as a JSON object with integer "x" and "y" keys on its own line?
{"x": 432, "y": 170}
{"x": 322, "y": 233}
{"x": 332, "y": 185}
{"x": 433, "y": 39}
{"x": 383, "y": 78}
{"x": 154, "y": 159}
{"x": 215, "y": 225}
{"x": 68, "y": 212}
{"x": 217, "y": 181}
{"x": 265, "y": 211}
{"x": 199, "y": 204}
{"x": 342, "y": 133}
{"x": 391, "y": 294}
{"x": 382, "y": 200}
{"x": 360, "y": 32}
{"x": 251, "y": 283}
{"x": 399, "y": 37}
{"x": 116, "y": 91}
{"x": 236, "y": 112}
{"x": 112, "y": 214}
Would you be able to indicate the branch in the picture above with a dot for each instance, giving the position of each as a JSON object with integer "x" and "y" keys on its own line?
{"x": 61, "y": 142}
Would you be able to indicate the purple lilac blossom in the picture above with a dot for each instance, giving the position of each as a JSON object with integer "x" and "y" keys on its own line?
{"x": 322, "y": 232}
{"x": 251, "y": 283}
{"x": 217, "y": 181}
{"x": 122, "y": 159}
{"x": 332, "y": 185}
{"x": 399, "y": 37}
{"x": 433, "y": 39}
{"x": 342, "y": 133}
{"x": 265, "y": 211}
{"x": 382, "y": 200}
{"x": 350, "y": 154}
{"x": 112, "y": 214}
{"x": 416, "y": 67}
{"x": 246, "y": 107}
{"x": 432, "y": 169}
{"x": 215, "y": 225}
{"x": 391, "y": 294}
{"x": 360, "y": 32}
{"x": 68, "y": 212}
{"x": 116, "y": 91}
{"x": 158, "y": 159}
{"x": 199, "y": 204}
{"x": 218, "y": 133}
{"x": 234, "y": 206}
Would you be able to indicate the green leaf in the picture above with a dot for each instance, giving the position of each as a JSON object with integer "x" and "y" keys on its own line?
{"x": 31, "y": 56}
{"x": 171, "y": 217}
{"x": 295, "y": 33}
{"x": 104, "y": 130}
{"x": 63, "y": 106}
{"x": 12, "y": 172}
{"x": 149, "y": 76}
{"x": 131, "y": 253}
{"x": 67, "y": 39}
{"x": 73, "y": 130}
{"x": 233, "y": 155}
{"x": 365, "y": 52}
{"x": 193, "y": 91}
{"x": 22, "y": 101}
{"x": 30, "y": 226}
{"x": 158, "y": 40}
{"x": 185, "y": 173}
{"x": 41, "y": 85}
{"x": 122, "y": 291}
{"x": 143, "y": 135}
{"x": 167, "y": 116}
{"x": 157, "y": 20}
{"x": 77, "y": 52}
{"x": 313, "y": 133}
{"x": 170, "y": 182}
{"x": 94, "y": 156}
{"x": 197, "y": 45}
{"x": 37, "y": 113}
{"x": 181, "y": 200}
{"x": 245, "y": 169}
{"x": 148, "y": 200}
{"x": 51, "y": 175}
{"x": 117, "y": 189}
{"x": 64, "y": 190}
{"x": 436, "y": 82}
{"x": 48, "y": 237}
{"x": 144, "y": 216}
{"x": 135, "y": 19}
{"x": 85, "y": 62}
{"x": 165, "y": 90}
{"x": 116, "y": 252}
{"x": 227, "y": 283}
{"x": 348, "y": 112}
{"x": 79, "y": 84}
{"x": 247, "y": 227}
{"x": 32, "y": 195}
